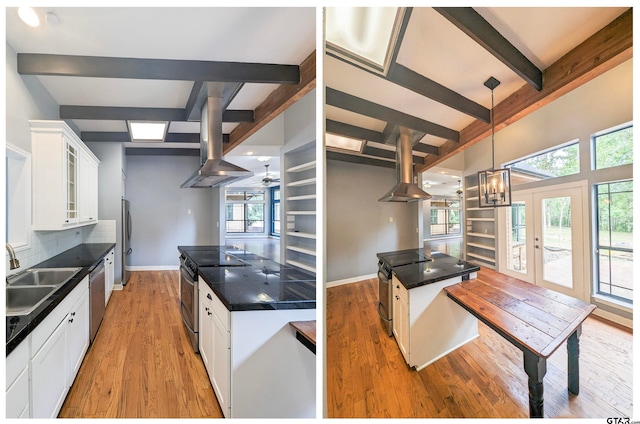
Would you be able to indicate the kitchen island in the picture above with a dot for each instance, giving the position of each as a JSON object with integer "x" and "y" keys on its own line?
{"x": 256, "y": 365}
{"x": 427, "y": 324}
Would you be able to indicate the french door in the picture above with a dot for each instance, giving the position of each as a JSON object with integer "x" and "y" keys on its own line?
{"x": 545, "y": 239}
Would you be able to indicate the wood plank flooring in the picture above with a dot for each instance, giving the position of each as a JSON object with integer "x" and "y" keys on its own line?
{"x": 367, "y": 375}
{"x": 141, "y": 364}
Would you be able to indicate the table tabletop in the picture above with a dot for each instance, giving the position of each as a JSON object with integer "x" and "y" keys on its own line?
{"x": 529, "y": 316}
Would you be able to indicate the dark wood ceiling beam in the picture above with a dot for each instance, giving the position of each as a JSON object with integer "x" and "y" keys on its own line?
{"x": 426, "y": 148}
{"x": 276, "y": 103}
{"x": 604, "y": 50}
{"x": 389, "y": 154}
{"x": 142, "y": 113}
{"x": 475, "y": 26}
{"x": 158, "y": 69}
{"x": 420, "y": 84}
{"x": 364, "y": 107}
{"x": 362, "y": 160}
{"x": 347, "y": 130}
{"x": 119, "y": 137}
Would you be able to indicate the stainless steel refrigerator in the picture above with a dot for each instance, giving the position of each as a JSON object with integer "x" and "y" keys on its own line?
{"x": 126, "y": 239}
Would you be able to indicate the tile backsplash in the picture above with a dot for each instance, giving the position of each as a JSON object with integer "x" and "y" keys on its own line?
{"x": 46, "y": 244}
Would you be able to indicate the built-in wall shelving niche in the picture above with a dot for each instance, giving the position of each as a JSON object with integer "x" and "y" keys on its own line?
{"x": 299, "y": 193}
{"x": 480, "y": 228}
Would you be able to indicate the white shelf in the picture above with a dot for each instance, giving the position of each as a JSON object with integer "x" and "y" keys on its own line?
{"x": 472, "y": 188}
{"x": 302, "y": 265}
{"x": 484, "y": 264}
{"x": 300, "y": 183}
{"x": 481, "y": 246}
{"x": 302, "y": 250}
{"x": 484, "y": 258}
{"x": 304, "y": 197}
{"x": 301, "y": 235}
{"x": 303, "y": 167}
{"x": 491, "y": 236}
{"x": 481, "y": 219}
{"x": 476, "y": 209}
{"x": 301, "y": 212}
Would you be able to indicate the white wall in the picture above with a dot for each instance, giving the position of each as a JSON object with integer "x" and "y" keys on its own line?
{"x": 358, "y": 225}
{"x": 159, "y": 209}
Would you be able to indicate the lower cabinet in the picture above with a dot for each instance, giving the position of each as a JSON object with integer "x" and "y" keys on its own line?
{"x": 109, "y": 275}
{"x": 215, "y": 348}
{"x": 257, "y": 367}
{"x": 17, "y": 377}
{"x": 414, "y": 313}
{"x": 57, "y": 347}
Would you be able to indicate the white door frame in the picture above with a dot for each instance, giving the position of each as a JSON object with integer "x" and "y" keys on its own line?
{"x": 584, "y": 292}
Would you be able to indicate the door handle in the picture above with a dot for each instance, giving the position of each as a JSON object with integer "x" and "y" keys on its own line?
{"x": 209, "y": 296}
{"x": 537, "y": 247}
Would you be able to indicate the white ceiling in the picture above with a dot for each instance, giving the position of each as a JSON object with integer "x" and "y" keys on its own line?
{"x": 436, "y": 49}
{"x": 279, "y": 35}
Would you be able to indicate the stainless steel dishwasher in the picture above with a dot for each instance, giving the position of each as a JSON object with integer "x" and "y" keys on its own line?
{"x": 96, "y": 298}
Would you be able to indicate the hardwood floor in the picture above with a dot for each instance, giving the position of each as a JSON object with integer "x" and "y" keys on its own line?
{"x": 141, "y": 364}
{"x": 367, "y": 375}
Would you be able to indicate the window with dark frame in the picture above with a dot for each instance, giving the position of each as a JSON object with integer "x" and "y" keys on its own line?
{"x": 245, "y": 211}
{"x": 275, "y": 211}
{"x": 613, "y": 147}
{"x": 445, "y": 217}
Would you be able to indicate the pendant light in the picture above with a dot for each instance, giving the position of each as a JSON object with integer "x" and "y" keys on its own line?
{"x": 494, "y": 185}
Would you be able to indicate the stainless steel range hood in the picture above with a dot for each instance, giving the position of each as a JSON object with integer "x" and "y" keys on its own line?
{"x": 405, "y": 190}
{"x": 214, "y": 171}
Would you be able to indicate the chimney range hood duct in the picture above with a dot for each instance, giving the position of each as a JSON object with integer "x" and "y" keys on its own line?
{"x": 214, "y": 171}
{"x": 405, "y": 190}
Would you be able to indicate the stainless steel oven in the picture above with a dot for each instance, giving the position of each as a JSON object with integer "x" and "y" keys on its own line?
{"x": 189, "y": 299}
{"x": 385, "y": 304}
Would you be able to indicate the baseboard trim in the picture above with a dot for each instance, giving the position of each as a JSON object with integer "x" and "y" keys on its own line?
{"x": 350, "y": 280}
{"x": 154, "y": 268}
{"x": 625, "y": 322}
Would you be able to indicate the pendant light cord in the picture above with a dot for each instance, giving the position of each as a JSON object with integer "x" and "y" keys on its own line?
{"x": 493, "y": 154}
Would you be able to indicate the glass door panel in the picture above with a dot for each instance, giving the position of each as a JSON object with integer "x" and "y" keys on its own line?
{"x": 556, "y": 241}
{"x": 516, "y": 258}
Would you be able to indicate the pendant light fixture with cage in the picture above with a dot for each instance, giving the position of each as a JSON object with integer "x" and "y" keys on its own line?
{"x": 494, "y": 185}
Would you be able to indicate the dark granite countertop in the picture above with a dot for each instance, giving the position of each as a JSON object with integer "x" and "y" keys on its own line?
{"x": 441, "y": 267}
{"x": 85, "y": 256}
{"x": 261, "y": 284}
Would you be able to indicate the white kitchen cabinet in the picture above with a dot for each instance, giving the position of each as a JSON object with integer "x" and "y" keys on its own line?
{"x": 256, "y": 366}
{"x": 64, "y": 178}
{"x": 57, "y": 348}
{"x": 77, "y": 336}
{"x": 215, "y": 346}
{"x": 49, "y": 375}
{"x": 17, "y": 378}
{"x": 432, "y": 325}
{"x": 401, "y": 317}
{"x": 109, "y": 275}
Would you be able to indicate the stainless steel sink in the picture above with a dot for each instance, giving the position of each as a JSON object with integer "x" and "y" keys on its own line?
{"x": 23, "y": 300}
{"x": 42, "y": 277}
{"x": 28, "y": 289}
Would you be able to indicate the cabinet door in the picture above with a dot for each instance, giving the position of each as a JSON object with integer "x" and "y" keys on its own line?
{"x": 109, "y": 276}
{"x": 205, "y": 333}
{"x": 87, "y": 189}
{"x": 401, "y": 321}
{"x": 77, "y": 336}
{"x": 221, "y": 366}
{"x": 49, "y": 375}
{"x": 71, "y": 182}
{"x": 18, "y": 397}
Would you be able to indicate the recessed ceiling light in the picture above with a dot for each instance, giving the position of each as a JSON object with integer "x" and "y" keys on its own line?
{"x": 455, "y": 177}
{"x": 250, "y": 153}
{"x": 264, "y": 158}
{"x": 147, "y": 130}
{"x": 344, "y": 143}
{"x": 29, "y": 16}
{"x": 52, "y": 19}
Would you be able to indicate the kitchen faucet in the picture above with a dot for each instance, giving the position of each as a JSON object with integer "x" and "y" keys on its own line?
{"x": 13, "y": 261}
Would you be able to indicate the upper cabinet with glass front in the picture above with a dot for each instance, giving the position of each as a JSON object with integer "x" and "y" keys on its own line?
{"x": 65, "y": 178}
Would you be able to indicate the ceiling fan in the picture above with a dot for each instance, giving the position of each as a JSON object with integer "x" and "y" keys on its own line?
{"x": 267, "y": 180}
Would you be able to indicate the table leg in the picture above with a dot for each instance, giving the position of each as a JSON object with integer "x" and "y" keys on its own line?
{"x": 536, "y": 368}
{"x": 573, "y": 354}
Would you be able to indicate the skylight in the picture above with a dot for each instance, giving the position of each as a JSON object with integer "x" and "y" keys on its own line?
{"x": 147, "y": 131}
{"x": 365, "y": 36}
{"x": 344, "y": 143}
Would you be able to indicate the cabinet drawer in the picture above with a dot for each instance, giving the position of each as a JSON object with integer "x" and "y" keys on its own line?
{"x": 210, "y": 299}
{"x": 17, "y": 361}
{"x": 400, "y": 290}
{"x": 42, "y": 332}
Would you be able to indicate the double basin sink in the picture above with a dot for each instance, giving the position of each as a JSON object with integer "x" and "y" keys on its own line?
{"x": 28, "y": 289}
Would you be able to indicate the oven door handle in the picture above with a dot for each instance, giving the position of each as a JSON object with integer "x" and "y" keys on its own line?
{"x": 186, "y": 277}
{"x": 183, "y": 319}
{"x": 382, "y": 316}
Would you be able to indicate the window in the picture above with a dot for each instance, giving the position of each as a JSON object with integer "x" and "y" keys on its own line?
{"x": 613, "y": 148}
{"x": 245, "y": 211}
{"x": 445, "y": 217}
{"x": 275, "y": 211}
{"x": 614, "y": 253}
{"x": 558, "y": 162}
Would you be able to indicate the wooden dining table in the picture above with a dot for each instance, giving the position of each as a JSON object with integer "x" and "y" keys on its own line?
{"x": 534, "y": 319}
